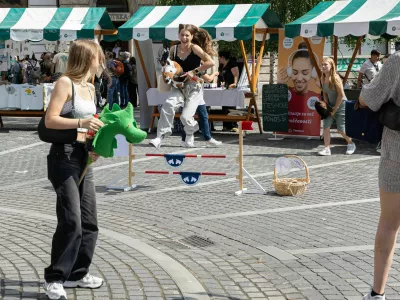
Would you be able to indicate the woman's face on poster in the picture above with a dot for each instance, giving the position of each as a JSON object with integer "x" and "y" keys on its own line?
{"x": 301, "y": 75}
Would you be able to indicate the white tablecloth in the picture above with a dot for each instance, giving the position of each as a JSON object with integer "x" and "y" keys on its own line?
{"x": 212, "y": 97}
{"x": 21, "y": 97}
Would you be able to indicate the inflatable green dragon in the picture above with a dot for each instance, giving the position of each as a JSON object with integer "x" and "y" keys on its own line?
{"x": 116, "y": 121}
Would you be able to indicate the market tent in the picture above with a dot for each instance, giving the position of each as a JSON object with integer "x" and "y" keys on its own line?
{"x": 66, "y": 24}
{"x": 350, "y": 17}
{"x": 223, "y": 22}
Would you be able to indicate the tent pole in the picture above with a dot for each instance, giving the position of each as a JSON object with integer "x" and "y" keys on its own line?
{"x": 146, "y": 75}
{"x": 335, "y": 50}
{"x": 260, "y": 56}
{"x": 312, "y": 56}
{"x": 346, "y": 77}
{"x": 256, "y": 74}
{"x": 245, "y": 63}
{"x": 253, "y": 58}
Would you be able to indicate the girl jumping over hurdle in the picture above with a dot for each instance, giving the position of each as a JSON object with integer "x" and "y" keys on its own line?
{"x": 195, "y": 46}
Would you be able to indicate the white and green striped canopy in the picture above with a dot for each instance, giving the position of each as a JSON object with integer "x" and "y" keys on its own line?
{"x": 223, "y": 22}
{"x": 52, "y": 24}
{"x": 350, "y": 17}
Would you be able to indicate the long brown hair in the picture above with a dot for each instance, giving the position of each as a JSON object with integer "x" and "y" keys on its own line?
{"x": 334, "y": 80}
{"x": 201, "y": 38}
{"x": 81, "y": 54}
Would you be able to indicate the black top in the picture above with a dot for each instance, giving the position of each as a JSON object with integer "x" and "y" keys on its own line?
{"x": 226, "y": 73}
{"x": 191, "y": 62}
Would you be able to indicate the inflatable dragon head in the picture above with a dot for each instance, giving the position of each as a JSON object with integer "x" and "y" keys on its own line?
{"x": 116, "y": 121}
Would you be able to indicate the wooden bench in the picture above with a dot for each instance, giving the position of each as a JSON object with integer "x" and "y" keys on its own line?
{"x": 20, "y": 113}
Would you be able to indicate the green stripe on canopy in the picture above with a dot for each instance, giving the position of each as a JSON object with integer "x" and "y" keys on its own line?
{"x": 157, "y": 31}
{"x": 293, "y": 29}
{"x": 125, "y": 31}
{"x": 52, "y": 31}
{"x": 223, "y": 22}
{"x": 326, "y": 28}
{"x": 379, "y": 27}
{"x": 220, "y": 15}
{"x": 90, "y": 22}
{"x": 10, "y": 20}
{"x": 349, "y": 17}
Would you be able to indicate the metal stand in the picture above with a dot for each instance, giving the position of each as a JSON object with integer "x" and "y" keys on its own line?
{"x": 259, "y": 189}
{"x": 276, "y": 138}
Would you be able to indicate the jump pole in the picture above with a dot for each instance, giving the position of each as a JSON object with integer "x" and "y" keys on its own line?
{"x": 130, "y": 186}
{"x": 259, "y": 189}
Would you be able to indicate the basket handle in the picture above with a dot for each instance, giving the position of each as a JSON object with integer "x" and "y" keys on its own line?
{"x": 304, "y": 164}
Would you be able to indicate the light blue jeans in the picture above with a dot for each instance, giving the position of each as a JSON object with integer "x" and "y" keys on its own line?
{"x": 112, "y": 92}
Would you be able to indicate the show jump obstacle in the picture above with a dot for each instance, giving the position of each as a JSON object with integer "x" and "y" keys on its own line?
{"x": 192, "y": 178}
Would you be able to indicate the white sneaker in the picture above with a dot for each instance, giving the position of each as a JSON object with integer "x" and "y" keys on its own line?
{"x": 350, "y": 149}
{"x": 156, "y": 142}
{"x": 89, "y": 282}
{"x": 213, "y": 143}
{"x": 190, "y": 141}
{"x": 55, "y": 290}
{"x": 325, "y": 152}
{"x": 369, "y": 297}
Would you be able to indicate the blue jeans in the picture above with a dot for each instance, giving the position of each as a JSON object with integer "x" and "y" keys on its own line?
{"x": 112, "y": 92}
{"x": 203, "y": 123}
{"x": 123, "y": 92}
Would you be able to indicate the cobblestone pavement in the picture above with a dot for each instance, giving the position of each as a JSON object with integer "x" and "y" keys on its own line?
{"x": 169, "y": 241}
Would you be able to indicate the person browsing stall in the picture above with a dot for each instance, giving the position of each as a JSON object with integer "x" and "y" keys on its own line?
{"x": 76, "y": 234}
{"x": 369, "y": 69}
{"x": 229, "y": 77}
{"x": 195, "y": 45}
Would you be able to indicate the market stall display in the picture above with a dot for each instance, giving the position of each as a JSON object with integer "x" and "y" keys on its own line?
{"x": 19, "y": 26}
{"x": 348, "y": 17}
{"x": 361, "y": 19}
{"x": 223, "y": 22}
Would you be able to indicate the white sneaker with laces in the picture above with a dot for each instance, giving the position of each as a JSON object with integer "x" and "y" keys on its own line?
{"x": 351, "y": 148}
{"x": 325, "y": 152}
{"x": 190, "y": 141}
{"x": 369, "y": 297}
{"x": 89, "y": 282}
{"x": 55, "y": 290}
{"x": 213, "y": 143}
{"x": 156, "y": 142}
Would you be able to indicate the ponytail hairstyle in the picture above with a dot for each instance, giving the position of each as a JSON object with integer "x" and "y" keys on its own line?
{"x": 335, "y": 82}
{"x": 200, "y": 37}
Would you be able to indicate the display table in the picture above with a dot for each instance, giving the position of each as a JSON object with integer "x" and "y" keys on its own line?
{"x": 24, "y": 100}
{"x": 212, "y": 97}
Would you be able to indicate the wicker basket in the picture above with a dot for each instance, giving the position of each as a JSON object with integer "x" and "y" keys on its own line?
{"x": 291, "y": 186}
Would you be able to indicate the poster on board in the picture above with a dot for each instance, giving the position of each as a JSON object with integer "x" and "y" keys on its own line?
{"x": 296, "y": 70}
